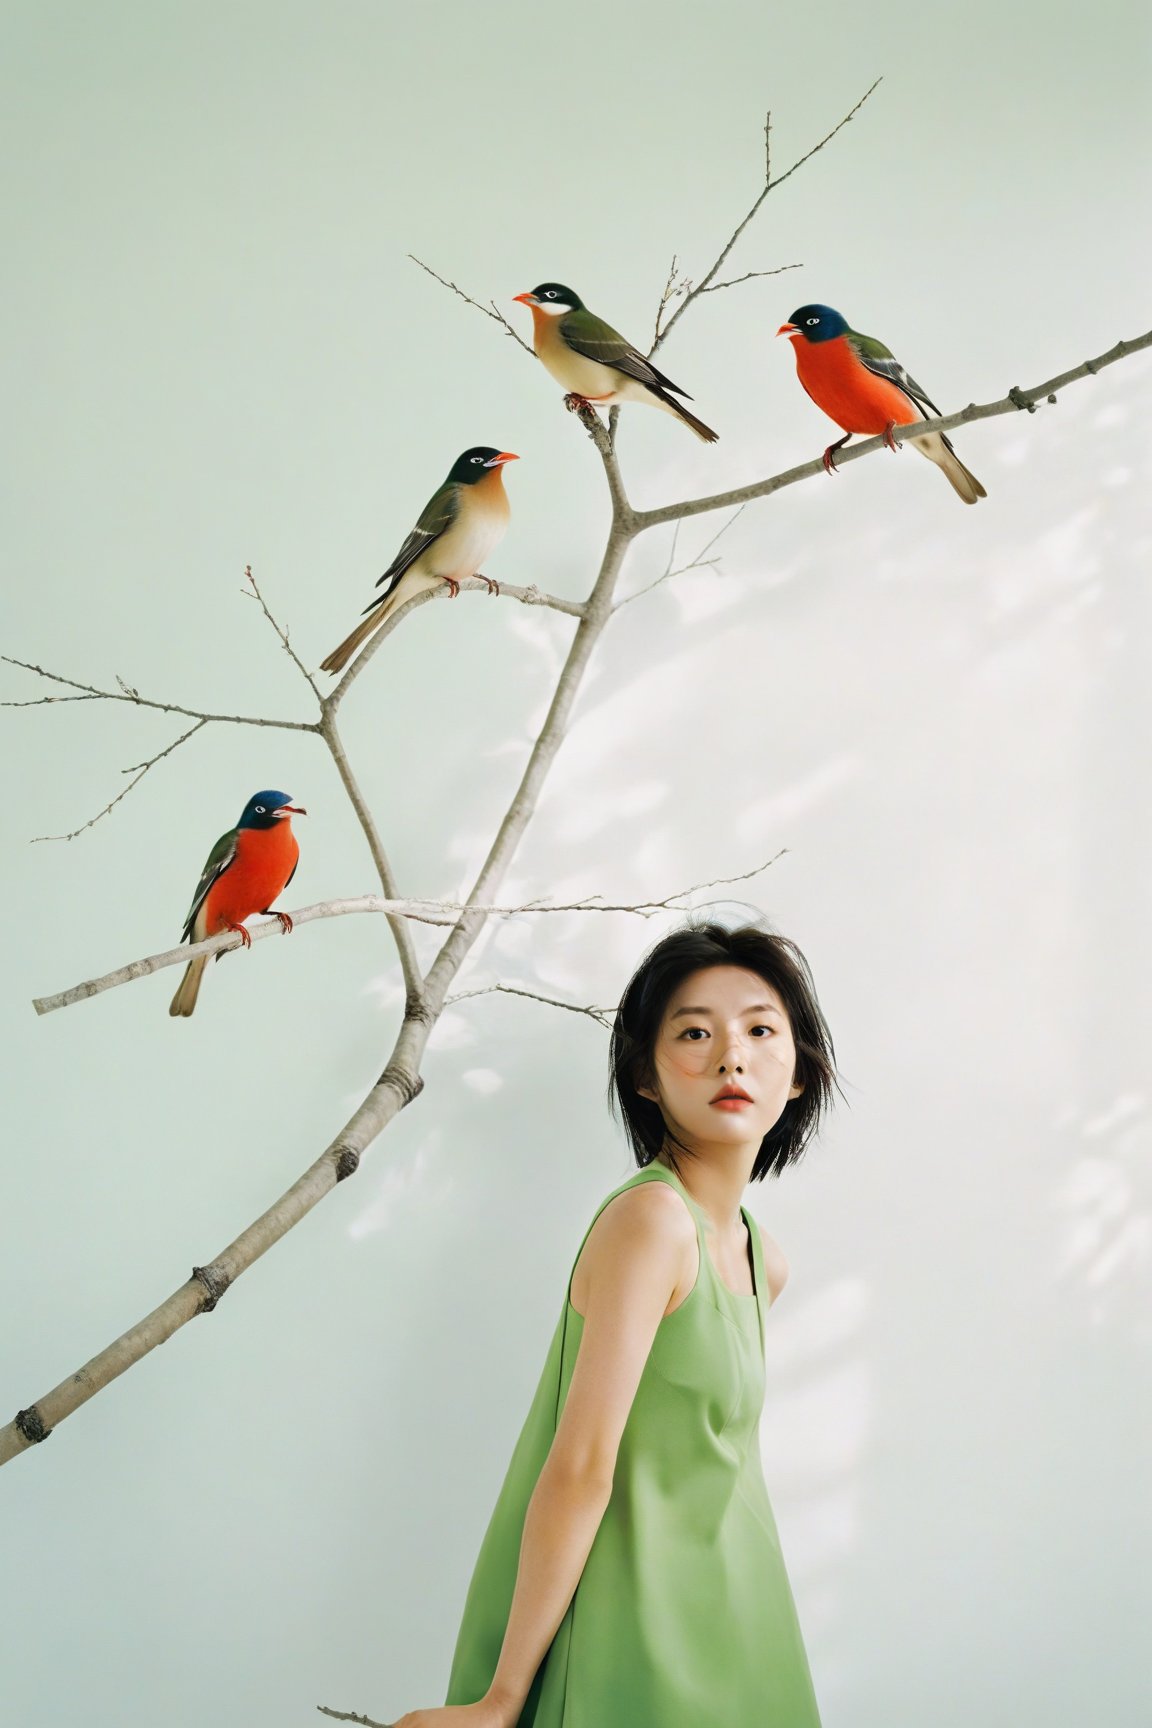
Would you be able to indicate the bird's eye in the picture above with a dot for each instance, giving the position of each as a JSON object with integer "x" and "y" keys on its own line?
{"x": 811, "y": 320}
{"x": 260, "y": 810}
{"x": 477, "y": 458}
{"x": 550, "y": 294}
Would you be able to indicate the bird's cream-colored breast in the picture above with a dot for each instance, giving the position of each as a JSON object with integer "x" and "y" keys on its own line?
{"x": 461, "y": 551}
{"x": 574, "y": 371}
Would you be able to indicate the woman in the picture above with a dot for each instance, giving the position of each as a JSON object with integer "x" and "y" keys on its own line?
{"x": 631, "y": 1573}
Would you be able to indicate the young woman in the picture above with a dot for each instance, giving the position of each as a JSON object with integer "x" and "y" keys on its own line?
{"x": 631, "y": 1574}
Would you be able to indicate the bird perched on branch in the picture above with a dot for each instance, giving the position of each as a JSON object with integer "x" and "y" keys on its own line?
{"x": 246, "y": 869}
{"x": 859, "y": 384}
{"x": 595, "y": 363}
{"x": 459, "y": 527}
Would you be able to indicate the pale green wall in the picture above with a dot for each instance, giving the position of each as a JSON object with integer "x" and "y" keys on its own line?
{"x": 218, "y": 353}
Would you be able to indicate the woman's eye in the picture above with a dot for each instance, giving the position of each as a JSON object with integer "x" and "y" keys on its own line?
{"x": 695, "y": 1033}
{"x": 760, "y": 1028}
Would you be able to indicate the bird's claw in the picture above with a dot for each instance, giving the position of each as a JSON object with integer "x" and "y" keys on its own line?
{"x": 240, "y": 931}
{"x": 575, "y": 403}
{"x": 493, "y": 585}
{"x": 453, "y": 586}
{"x": 888, "y": 438}
{"x": 829, "y": 460}
{"x": 286, "y": 924}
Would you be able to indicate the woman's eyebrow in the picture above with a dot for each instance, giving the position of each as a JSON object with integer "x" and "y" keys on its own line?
{"x": 756, "y": 1008}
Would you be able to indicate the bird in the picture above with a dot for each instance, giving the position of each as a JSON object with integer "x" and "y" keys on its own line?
{"x": 246, "y": 869}
{"x": 460, "y": 526}
{"x": 862, "y": 387}
{"x": 595, "y": 363}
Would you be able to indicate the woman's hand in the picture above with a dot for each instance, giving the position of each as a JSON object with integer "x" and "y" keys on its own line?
{"x": 487, "y": 1713}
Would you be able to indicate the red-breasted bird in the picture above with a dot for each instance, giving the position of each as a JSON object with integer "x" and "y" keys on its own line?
{"x": 595, "y": 363}
{"x": 460, "y": 526}
{"x": 246, "y": 869}
{"x": 860, "y": 385}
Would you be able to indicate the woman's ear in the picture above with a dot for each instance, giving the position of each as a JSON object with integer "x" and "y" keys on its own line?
{"x": 643, "y": 1084}
{"x": 795, "y": 1089}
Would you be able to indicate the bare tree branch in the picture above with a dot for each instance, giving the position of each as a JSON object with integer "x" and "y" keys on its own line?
{"x": 351, "y": 1716}
{"x": 770, "y": 185}
{"x": 128, "y": 693}
{"x": 402, "y": 935}
{"x": 1012, "y": 403}
{"x": 602, "y": 1016}
{"x": 700, "y": 562}
{"x": 489, "y": 311}
{"x": 447, "y": 914}
{"x": 749, "y": 276}
{"x": 283, "y": 634}
{"x": 138, "y": 771}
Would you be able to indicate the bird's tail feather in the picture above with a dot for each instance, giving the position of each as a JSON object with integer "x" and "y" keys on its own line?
{"x": 938, "y": 449}
{"x": 185, "y": 998}
{"x": 689, "y": 419}
{"x": 340, "y": 657}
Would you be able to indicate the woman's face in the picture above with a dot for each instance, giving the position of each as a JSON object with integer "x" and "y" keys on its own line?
{"x": 724, "y": 1028}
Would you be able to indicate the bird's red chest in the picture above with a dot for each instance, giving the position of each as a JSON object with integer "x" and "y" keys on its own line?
{"x": 265, "y": 858}
{"x": 840, "y": 384}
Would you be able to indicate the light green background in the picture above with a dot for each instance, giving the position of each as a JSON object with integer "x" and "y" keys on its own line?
{"x": 218, "y": 353}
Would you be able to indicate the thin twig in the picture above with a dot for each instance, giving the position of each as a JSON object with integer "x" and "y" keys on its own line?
{"x": 402, "y": 935}
{"x": 749, "y": 276}
{"x": 1015, "y": 401}
{"x": 351, "y": 1716}
{"x": 602, "y": 1016}
{"x": 700, "y": 562}
{"x": 127, "y": 693}
{"x": 445, "y": 913}
{"x": 770, "y": 185}
{"x": 138, "y": 772}
{"x": 672, "y": 291}
{"x": 489, "y": 311}
{"x": 283, "y": 634}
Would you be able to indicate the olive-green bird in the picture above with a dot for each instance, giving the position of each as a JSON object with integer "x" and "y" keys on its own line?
{"x": 461, "y": 524}
{"x": 595, "y": 363}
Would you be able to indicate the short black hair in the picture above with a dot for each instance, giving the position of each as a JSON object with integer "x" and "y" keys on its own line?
{"x": 663, "y": 969}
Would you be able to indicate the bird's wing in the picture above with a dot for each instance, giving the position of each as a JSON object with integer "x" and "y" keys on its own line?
{"x": 884, "y": 363}
{"x": 590, "y": 336}
{"x": 219, "y": 859}
{"x": 438, "y": 514}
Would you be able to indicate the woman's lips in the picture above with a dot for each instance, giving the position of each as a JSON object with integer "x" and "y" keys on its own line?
{"x": 731, "y": 1103}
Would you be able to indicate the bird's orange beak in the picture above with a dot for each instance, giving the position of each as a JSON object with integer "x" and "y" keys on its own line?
{"x": 789, "y": 330}
{"x": 526, "y": 299}
{"x": 290, "y": 810}
{"x": 502, "y": 457}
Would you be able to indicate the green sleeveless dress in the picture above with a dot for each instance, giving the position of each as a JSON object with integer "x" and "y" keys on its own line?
{"x": 683, "y": 1616}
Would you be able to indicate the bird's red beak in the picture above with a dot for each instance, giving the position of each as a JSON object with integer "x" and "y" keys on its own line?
{"x": 290, "y": 810}
{"x": 789, "y": 330}
{"x": 502, "y": 457}
{"x": 526, "y": 299}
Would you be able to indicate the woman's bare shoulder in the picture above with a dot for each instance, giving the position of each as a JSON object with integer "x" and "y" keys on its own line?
{"x": 645, "y": 1221}
{"x": 775, "y": 1263}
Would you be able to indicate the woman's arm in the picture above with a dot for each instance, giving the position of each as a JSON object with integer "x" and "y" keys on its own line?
{"x": 634, "y": 1257}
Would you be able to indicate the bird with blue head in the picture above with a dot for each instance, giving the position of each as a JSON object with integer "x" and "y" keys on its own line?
{"x": 246, "y": 869}
{"x": 863, "y": 387}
